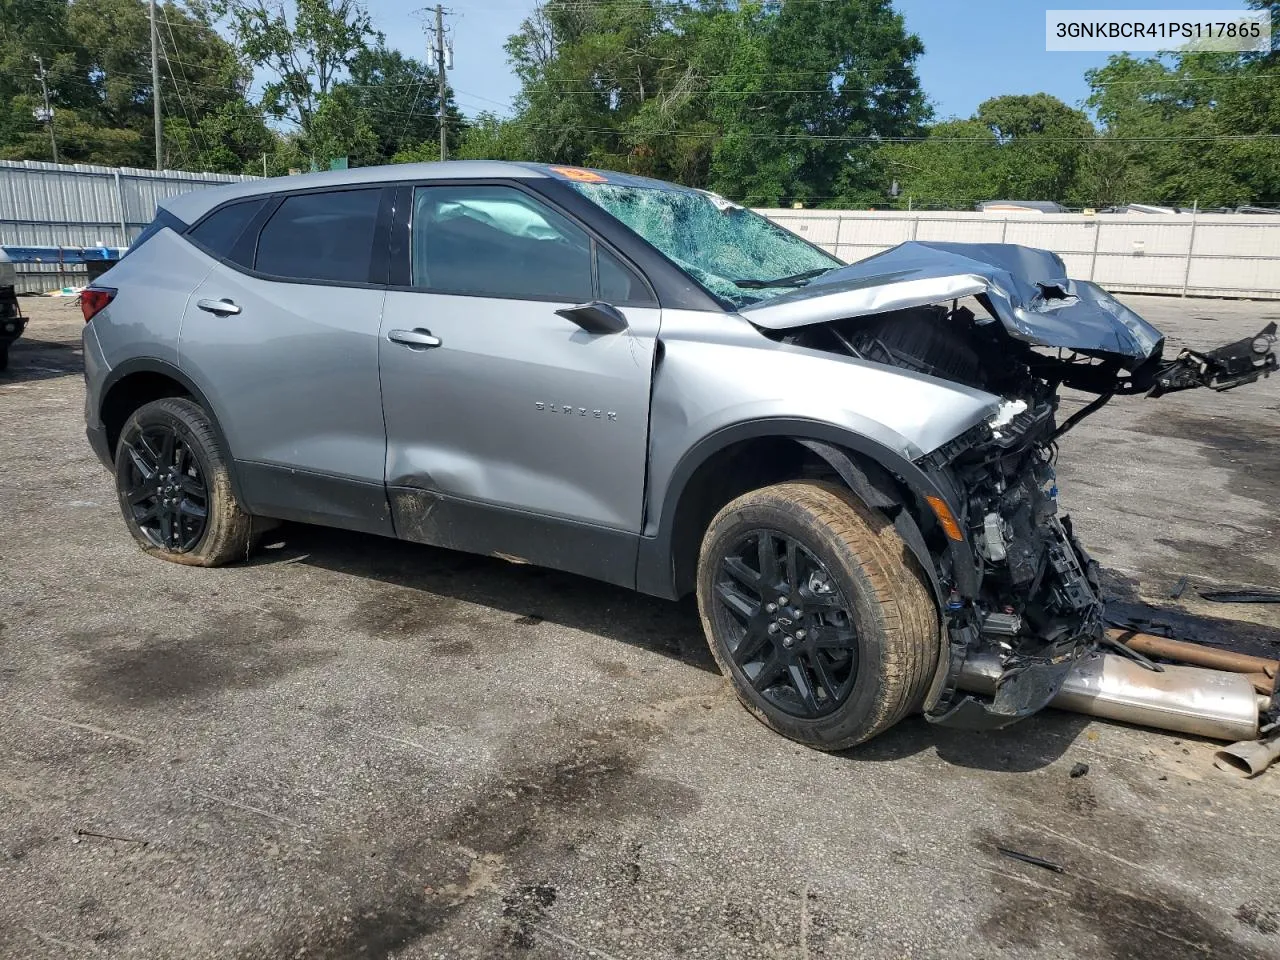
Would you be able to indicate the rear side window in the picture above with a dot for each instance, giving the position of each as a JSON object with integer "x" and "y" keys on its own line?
{"x": 219, "y": 231}
{"x": 321, "y": 236}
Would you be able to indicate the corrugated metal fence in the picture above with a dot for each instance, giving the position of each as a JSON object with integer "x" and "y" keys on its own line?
{"x": 1216, "y": 255}
{"x": 82, "y": 205}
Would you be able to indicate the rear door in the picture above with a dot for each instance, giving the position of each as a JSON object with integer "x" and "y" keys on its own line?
{"x": 283, "y": 333}
{"x": 511, "y": 429}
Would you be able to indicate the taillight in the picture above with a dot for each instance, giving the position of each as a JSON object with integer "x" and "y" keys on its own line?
{"x": 93, "y": 299}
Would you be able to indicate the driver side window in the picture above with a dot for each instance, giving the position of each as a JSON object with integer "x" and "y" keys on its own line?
{"x": 495, "y": 241}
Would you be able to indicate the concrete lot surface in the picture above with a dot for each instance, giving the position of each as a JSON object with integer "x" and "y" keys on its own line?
{"x": 350, "y": 747}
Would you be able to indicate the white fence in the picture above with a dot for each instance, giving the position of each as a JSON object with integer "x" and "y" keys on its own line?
{"x": 1214, "y": 255}
{"x": 82, "y": 205}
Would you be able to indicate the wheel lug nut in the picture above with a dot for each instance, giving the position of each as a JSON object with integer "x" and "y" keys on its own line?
{"x": 787, "y": 641}
{"x": 782, "y": 601}
{"x": 800, "y": 634}
{"x": 770, "y": 607}
{"x": 773, "y": 628}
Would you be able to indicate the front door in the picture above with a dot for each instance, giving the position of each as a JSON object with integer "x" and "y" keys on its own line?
{"x": 511, "y": 429}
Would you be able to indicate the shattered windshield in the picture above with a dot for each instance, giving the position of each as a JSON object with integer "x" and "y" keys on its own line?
{"x": 736, "y": 254}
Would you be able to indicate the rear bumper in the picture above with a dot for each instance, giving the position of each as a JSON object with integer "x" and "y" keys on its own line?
{"x": 11, "y": 329}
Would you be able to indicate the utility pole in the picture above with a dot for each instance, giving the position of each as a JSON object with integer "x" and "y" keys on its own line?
{"x": 155, "y": 87}
{"x": 47, "y": 116}
{"x": 444, "y": 148}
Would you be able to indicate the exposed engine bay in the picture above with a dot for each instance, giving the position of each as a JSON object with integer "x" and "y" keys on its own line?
{"x": 1015, "y": 581}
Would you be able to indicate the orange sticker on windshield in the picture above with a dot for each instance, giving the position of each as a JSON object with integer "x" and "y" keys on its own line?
{"x": 577, "y": 173}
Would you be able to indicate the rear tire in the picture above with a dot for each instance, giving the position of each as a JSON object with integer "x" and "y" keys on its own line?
{"x": 853, "y": 648}
{"x": 174, "y": 487}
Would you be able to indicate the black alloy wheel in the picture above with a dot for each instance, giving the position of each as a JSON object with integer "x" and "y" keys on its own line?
{"x": 165, "y": 490}
{"x": 788, "y": 626}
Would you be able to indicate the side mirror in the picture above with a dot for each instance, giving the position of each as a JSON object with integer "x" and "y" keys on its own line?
{"x": 596, "y": 317}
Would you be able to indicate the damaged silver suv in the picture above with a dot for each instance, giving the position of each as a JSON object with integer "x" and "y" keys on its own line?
{"x": 851, "y": 466}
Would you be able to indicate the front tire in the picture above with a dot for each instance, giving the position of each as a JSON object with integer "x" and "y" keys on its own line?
{"x": 818, "y": 613}
{"x": 174, "y": 487}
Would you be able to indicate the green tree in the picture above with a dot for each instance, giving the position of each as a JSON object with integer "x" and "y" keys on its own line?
{"x": 96, "y": 55}
{"x": 305, "y": 54}
{"x": 957, "y": 164}
{"x": 1041, "y": 142}
{"x": 486, "y": 137}
{"x": 830, "y": 71}
{"x": 1197, "y": 128}
{"x": 1025, "y": 147}
{"x": 769, "y": 102}
{"x": 400, "y": 100}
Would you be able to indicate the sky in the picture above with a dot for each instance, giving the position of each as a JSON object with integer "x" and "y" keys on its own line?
{"x": 974, "y": 49}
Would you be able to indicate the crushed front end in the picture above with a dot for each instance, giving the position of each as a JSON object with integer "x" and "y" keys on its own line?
{"x": 1011, "y": 576}
{"x": 1033, "y": 595}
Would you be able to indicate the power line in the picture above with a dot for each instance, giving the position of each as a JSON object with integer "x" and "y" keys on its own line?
{"x": 47, "y": 116}
{"x": 155, "y": 86}
{"x": 182, "y": 103}
{"x": 440, "y": 67}
{"x": 463, "y": 123}
{"x": 875, "y": 138}
{"x": 205, "y": 67}
{"x": 607, "y": 85}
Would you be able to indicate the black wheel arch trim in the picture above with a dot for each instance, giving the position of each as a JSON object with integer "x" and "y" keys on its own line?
{"x": 871, "y": 492}
{"x": 655, "y": 561}
{"x": 167, "y": 369}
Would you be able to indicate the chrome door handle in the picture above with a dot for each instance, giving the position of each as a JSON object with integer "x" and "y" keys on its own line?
{"x": 414, "y": 338}
{"x": 223, "y": 308}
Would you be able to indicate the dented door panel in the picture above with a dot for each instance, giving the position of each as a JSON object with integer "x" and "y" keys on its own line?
{"x": 518, "y": 407}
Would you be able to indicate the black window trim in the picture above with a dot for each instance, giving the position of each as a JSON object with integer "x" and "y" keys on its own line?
{"x": 672, "y": 287}
{"x": 248, "y": 242}
{"x": 401, "y": 244}
{"x": 163, "y": 219}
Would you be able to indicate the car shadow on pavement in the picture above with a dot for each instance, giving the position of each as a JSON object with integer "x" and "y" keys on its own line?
{"x": 532, "y": 594}
{"x": 31, "y": 360}
{"x": 529, "y": 594}
{"x": 1030, "y": 744}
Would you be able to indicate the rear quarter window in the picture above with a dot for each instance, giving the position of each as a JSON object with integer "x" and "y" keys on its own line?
{"x": 218, "y": 232}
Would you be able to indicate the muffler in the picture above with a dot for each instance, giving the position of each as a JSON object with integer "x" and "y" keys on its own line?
{"x": 1250, "y": 758}
{"x": 1207, "y": 703}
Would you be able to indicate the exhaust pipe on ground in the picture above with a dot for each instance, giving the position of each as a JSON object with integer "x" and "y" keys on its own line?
{"x": 1250, "y": 758}
{"x": 1206, "y": 703}
{"x": 1263, "y": 673}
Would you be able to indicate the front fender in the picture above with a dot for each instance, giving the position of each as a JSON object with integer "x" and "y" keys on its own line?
{"x": 717, "y": 370}
{"x": 719, "y": 380}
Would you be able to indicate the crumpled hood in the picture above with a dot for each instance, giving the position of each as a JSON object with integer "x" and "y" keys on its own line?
{"x": 1027, "y": 288}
